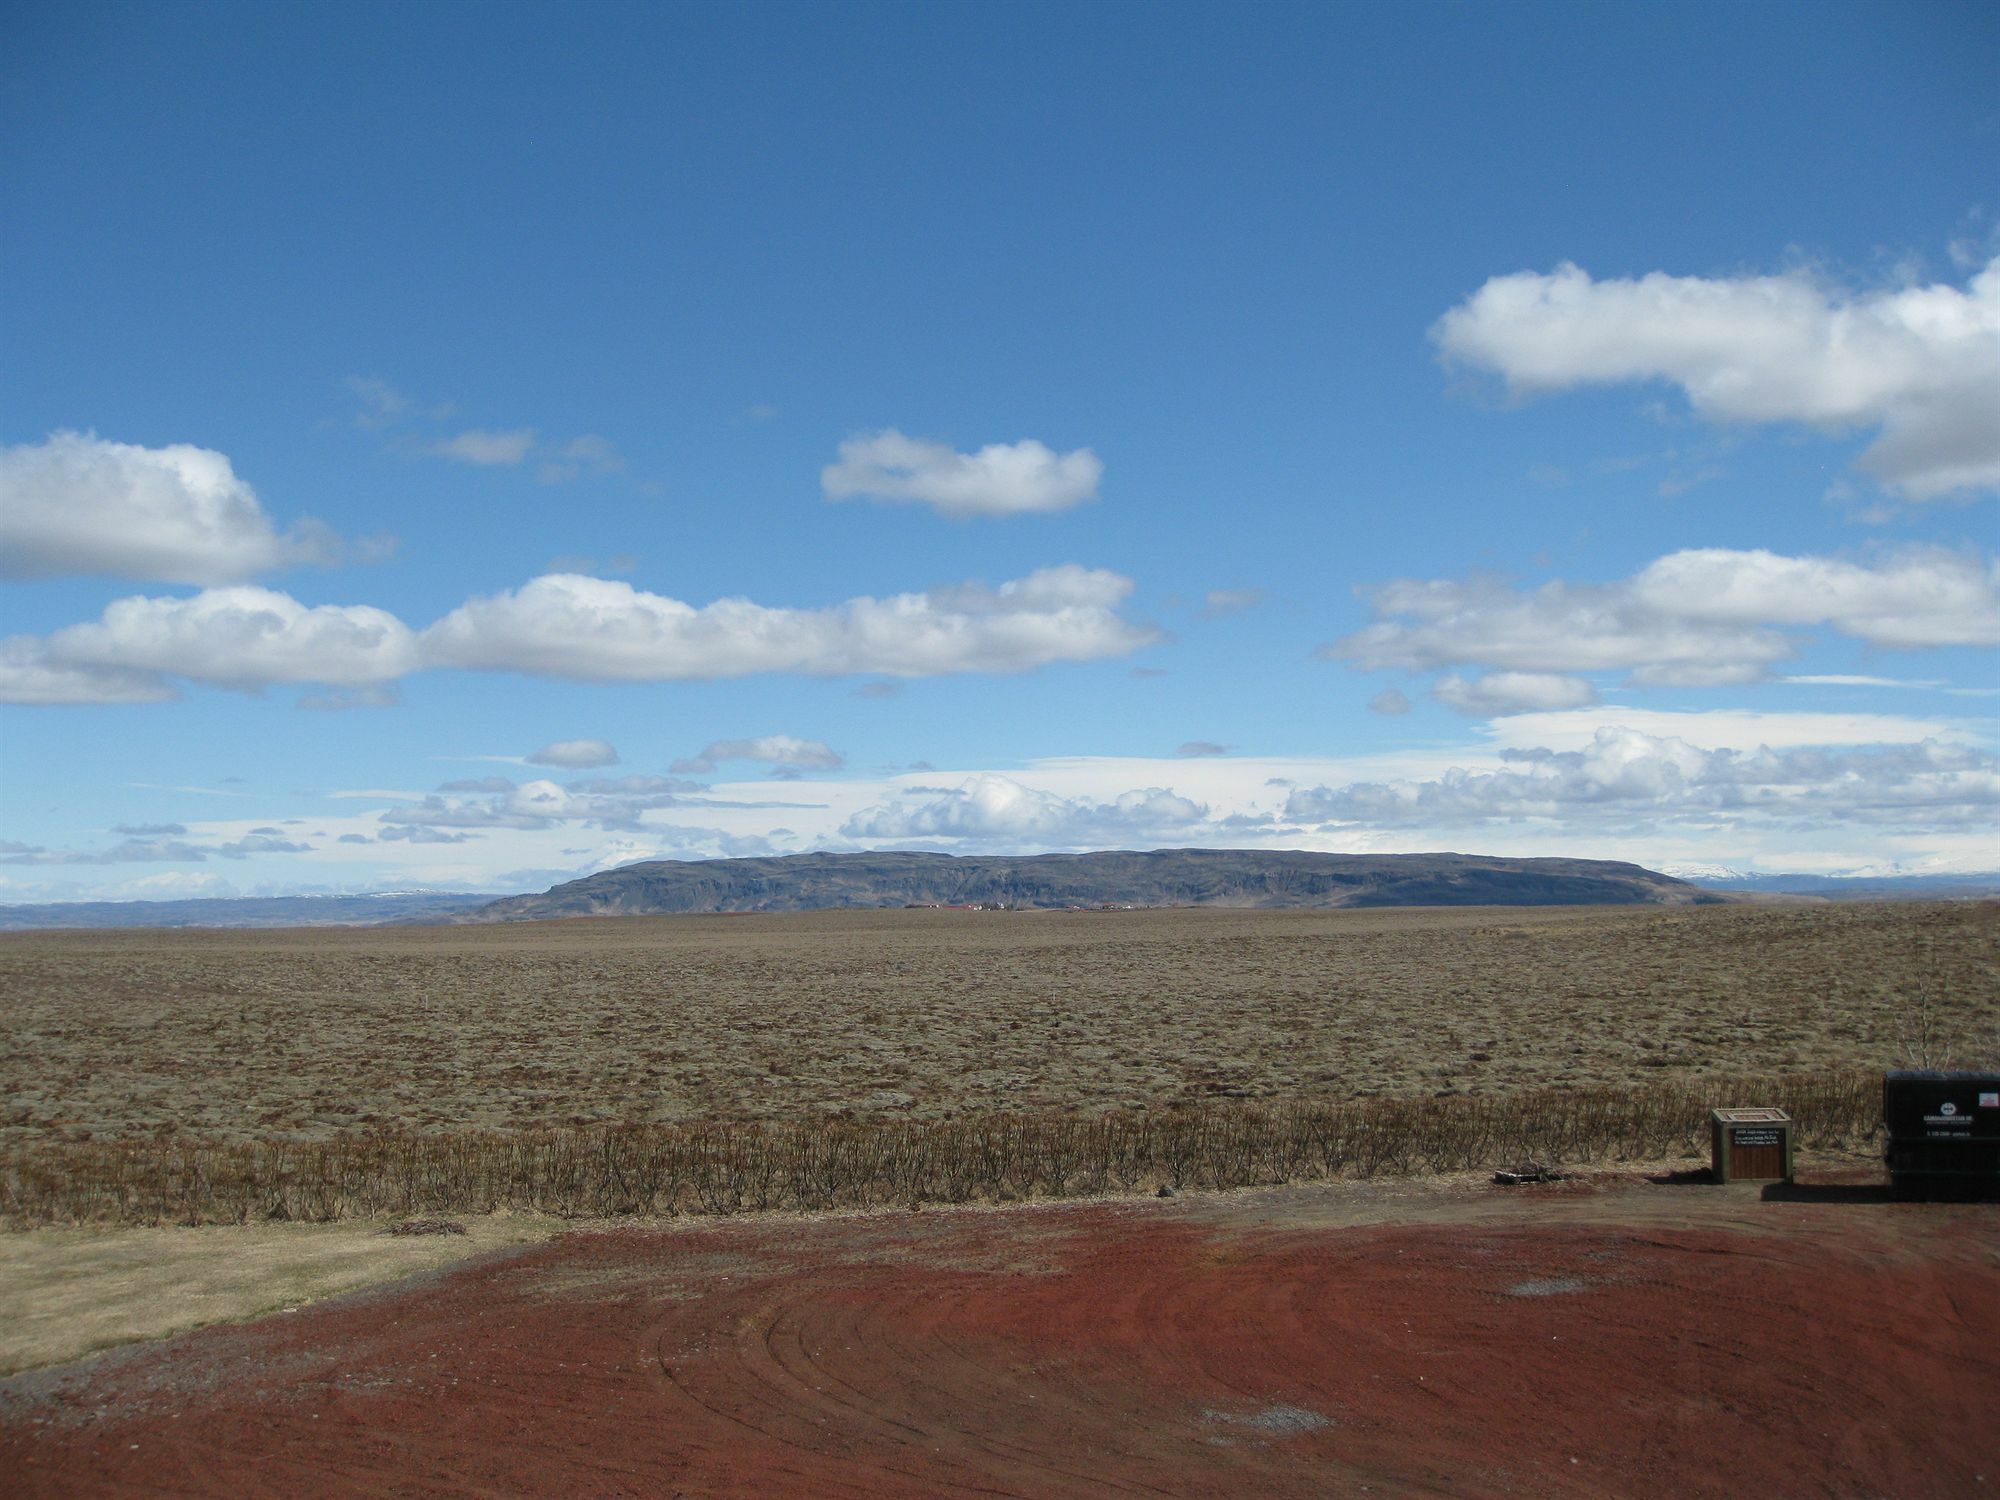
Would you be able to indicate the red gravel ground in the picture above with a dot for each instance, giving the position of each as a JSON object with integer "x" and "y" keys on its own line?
{"x": 1619, "y": 1338}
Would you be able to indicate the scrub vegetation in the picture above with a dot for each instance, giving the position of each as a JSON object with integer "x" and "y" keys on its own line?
{"x": 844, "y": 1058}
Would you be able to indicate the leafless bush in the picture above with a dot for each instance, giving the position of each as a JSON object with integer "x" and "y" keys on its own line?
{"x": 733, "y": 1167}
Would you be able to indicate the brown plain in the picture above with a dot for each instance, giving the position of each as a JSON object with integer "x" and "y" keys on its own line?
{"x": 932, "y": 1014}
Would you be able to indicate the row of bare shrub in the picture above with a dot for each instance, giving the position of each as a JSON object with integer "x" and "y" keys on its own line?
{"x": 727, "y": 1168}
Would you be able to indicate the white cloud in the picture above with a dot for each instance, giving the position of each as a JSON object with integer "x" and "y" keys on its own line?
{"x": 575, "y": 755}
{"x": 630, "y": 786}
{"x": 1922, "y": 596}
{"x": 1513, "y": 693}
{"x": 261, "y": 843}
{"x": 1389, "y": 701}
{"x": 1857, "y": 679}
{"x": 1919, "y": 363}
{"x": 1852, "y": 801}
{"x": 782, "y": 750}
{"x": 239, "y": 637}
{"x": 129, "y": 851}
{"x": 487, "y": 447}
{"x": 153, "y": 850}
{"x": 604, "y": 802}
{"x": 1423, "y": 625}
{"x": 1702, "y": 617}
{"x": 1623, "y": 776}
{"x": 538, "y": 809}
{"x": 27, "y": 676}
{"x": 1001, "y": 479}
{"x": 568, "y": 625}
{"x": 993, "y": 808}
{"x": 76, "y": 504}
{"x": 1716, "y": 729}
{"x": 414, "y": 834}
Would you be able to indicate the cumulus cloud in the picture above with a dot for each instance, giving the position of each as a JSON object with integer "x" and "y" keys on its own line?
{"x": 993, "y": 808}
{"x": 77, "y": 504}
{"x": 575, "y": 755}
{"x": 27, "y": 676}
{"x": 1389, "y": 701}
{"x": 1625, "y": 778}
{"x": 1917, "y": 364}
{"x": 1001, "y": 479}
{"x": 1700, "y": 617}
{"x": 781, "y": 750}
{"x": 1513, "y": 693}
{"x": 241, "y": 637}
{"x": 1425, "y": 624}
{"x": 1923, "y": 596}
{"x": 569, "y": 625}
{"x": 487, "y": 448}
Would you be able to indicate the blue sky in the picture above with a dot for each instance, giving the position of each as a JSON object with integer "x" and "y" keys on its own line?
{"x": 1532, "y": 429}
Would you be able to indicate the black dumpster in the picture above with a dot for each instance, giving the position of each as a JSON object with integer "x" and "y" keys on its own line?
{"x": 1943, "y": 1133}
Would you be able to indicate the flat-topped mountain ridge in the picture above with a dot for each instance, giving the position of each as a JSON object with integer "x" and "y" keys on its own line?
{"x": 1161, "y": 877}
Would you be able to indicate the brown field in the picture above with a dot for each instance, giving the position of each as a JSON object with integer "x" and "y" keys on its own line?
{"x": 926, "y": 1015}
{"x": 1418, "y": 1332}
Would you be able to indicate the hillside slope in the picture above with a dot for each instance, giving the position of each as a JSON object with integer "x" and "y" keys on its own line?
{"x": 1163, "y": 877}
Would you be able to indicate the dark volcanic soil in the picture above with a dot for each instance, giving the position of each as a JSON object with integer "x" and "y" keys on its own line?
{"x": 1618, "y": 1338}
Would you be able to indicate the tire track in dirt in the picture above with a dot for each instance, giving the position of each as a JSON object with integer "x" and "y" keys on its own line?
{"x": 809, "y": 1375}
{"x": 1099, "y": 1351}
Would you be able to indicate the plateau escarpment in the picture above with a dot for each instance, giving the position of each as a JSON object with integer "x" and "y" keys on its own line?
{"x": 1161, "y": 877}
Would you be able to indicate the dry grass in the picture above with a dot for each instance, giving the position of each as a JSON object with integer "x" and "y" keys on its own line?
{"x": 709, "y": 1064}
{"x": 668, "y": 1169}
{"x": 933, "y": 1015}
{"x": 68, "y": 1292}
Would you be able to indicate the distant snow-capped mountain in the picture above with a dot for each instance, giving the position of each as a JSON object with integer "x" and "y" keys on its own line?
{"x": 1704, "y": 873}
